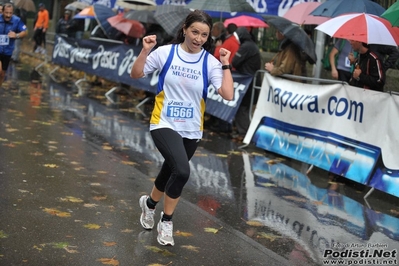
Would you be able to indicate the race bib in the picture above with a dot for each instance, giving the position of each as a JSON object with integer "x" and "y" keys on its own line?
{"x": 347, "y": 62}
{"x": 4, "y": 40}
{"x": 179, "y": 110}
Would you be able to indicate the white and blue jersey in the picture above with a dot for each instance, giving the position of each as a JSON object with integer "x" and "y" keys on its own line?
{"x": 16, "y": 25}
{"x": 183, "y": 84}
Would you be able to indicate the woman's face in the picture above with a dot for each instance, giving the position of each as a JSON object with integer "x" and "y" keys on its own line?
{"x": 195, "y": 36}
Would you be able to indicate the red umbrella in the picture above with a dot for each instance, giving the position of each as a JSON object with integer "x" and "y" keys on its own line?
{"x": 361, "y": 27}
{"x": 246, "y": 21}
{"x": 132, "y": 28}
{"x": 300, "y": 14}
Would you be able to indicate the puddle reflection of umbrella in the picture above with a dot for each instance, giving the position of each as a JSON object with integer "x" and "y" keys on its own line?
{"x": 333, "y": 8}
{"x": 246, "y": 21}
{"x": 100, "y": 13}
{"x": 28, "y": 5}
{"x": 144, "y": 16}
{"x": 361, "y": 27}
{"x": 171, "y": 17}
{"x": 300, "y": 14}
{"x": 295, "y": 34}
{"x": 392, "y": 14}
{"x": 131, "y": 28}
{"x": 221, "y": 5}
{"x": 76, "y": 5}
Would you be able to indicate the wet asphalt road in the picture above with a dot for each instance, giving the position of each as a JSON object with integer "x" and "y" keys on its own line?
{"x": 73, "y": 169}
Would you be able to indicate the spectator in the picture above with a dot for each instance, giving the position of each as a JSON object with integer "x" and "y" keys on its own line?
{"x": 230, "y": 43}
{"x": 387, "y": 54}
{"x": 341, "y": 71}
{"x": 40, "y": 29}
{"x": 218, "y": 35}
{"x": 1, "y": 7}
{"x": 289, "y": 60}
{"x": 63, "y": 25}
{"x": 368, "y": 72}
{"x": 15, "y": 29}
{"x": 247, "y": 60}
{"x": 77, "y": 27}
{"x": 21, "y": 13}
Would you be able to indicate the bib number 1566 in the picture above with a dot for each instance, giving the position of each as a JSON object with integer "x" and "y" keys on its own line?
{"x": 180, "y": 112}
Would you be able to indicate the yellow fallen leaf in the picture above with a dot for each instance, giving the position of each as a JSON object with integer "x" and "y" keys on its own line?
{"x": 109, "y": 244}
{"x": 111, "y": 261}
{"x": 129, "y": 163}
{"x": 267, "y": 184}
{"x": 190, "y": 247}
{"x": 127, "y": 231}
{"x": 90, "y": 205}
{"x": 1, "y": 139}
{"x": 164, "y": 252}
{"x": 98, "y": 198}
{"x": 180, "y": 233}
{"x": 67, "y": 133}
{"x": 222, "y": 155}
{"x": 56, "y": 212}
{"x": 2, "y": 234}
{"x": 107, "y": 148}
{"x": 92, "y": 226}
{"x": 274, "y": 161}
{"x": 254, "y": 223}
{"x": 235, "y": 152}
{"x": 102, "y": 172}
{"x": 11, "y": 129}
{"x": 51, "y": 165}
{"x": 52, "y": 142}
{"x": 71, "y": 250}
{"x": 23, "y": 191}
{"x": 72, "y": 199}
{"x": 212, "y": 230}
{"x": 268, "y": 236}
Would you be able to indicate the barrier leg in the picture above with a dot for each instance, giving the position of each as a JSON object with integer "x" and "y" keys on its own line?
{"x": 51, "y": 73}
{"x": 77, "y": 84}
{"x": 109, "y": 92}
{"x": 368, "y": 193}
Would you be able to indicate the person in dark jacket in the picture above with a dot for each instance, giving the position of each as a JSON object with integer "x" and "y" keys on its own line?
{"x": 247, "y": 60}
{"x": 63, "y": 24}
{"x": 388, "y": 54}
{"x": 77, "y": 27}
{"x": 369, "y": 72}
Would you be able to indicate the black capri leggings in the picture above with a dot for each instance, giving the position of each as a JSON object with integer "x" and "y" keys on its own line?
{"x": 177, "y": 152}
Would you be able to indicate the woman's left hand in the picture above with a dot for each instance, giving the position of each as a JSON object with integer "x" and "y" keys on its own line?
{"x": 224, "y": 56}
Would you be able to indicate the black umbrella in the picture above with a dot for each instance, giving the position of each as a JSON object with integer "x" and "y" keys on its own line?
{"x": 221, "y": 5}
{"x": 171, "y": 17}
{"x": 334, "y": 8}
{"x": 295, "y": 34}
{"x": 144, "y": 16}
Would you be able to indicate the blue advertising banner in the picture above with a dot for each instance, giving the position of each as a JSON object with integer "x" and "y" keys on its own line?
{"x": 113, "y": 61}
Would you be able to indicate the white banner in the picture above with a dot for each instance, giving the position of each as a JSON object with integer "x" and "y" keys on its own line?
{"x": 343, "y": 129}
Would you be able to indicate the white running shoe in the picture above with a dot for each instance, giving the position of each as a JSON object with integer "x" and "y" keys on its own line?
{"x": 147, "y": 215}
{"x": 165, "y": 233}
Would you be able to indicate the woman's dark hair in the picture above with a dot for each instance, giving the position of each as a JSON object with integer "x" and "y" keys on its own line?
{"x": 196, "y": 16}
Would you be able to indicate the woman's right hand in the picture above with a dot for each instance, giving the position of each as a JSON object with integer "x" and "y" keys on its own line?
{"x": 149, "y": 42}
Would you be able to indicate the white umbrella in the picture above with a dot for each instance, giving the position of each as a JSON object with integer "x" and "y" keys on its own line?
{"x": 361, "y": 27}
{"x": 76, "y": 5}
